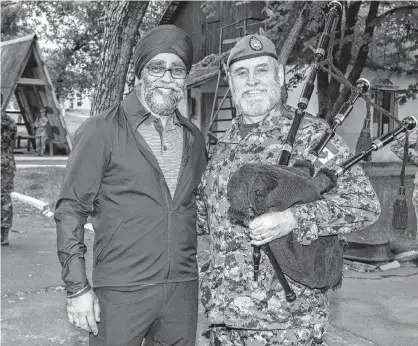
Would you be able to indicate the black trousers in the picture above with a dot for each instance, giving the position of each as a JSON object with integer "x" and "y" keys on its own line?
{"x": 164, "y": 314}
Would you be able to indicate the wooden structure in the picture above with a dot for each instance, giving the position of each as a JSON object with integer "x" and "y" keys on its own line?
{"x": 24, "y": 75}
{"x": 209, "y": 104}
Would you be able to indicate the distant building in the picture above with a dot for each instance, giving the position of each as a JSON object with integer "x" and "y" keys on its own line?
{"x": 78, "y": 101}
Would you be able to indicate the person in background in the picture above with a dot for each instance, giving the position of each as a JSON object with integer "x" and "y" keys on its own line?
{"x": 8, "y": 168}
{"x": 135, "y": 168}
{"x": 41, "y": 136}
{"x": 241, "y": 314}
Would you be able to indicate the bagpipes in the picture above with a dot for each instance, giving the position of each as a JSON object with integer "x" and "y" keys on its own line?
{"x": 256, "y": 188}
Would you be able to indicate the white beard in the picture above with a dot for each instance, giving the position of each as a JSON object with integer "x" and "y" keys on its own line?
{"x": 254, "y": 105}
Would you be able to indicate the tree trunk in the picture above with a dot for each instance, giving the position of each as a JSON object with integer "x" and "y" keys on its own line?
{"x": 301, "y": 10}
{"x": 360, "y": 61}
{"x": 331, "y": 99}
{"x": 130, "y": 75}
{"x": 123, "y": 19}
{"x": 327, "y": 97}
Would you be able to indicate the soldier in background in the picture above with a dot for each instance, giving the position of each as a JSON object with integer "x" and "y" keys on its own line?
{"x": 8, "y": 168}
{"x": 397, "y": 147}
{"x": 40, "y": 131}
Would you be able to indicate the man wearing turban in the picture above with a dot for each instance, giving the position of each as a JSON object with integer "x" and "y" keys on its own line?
{"x": 134, "y": 169}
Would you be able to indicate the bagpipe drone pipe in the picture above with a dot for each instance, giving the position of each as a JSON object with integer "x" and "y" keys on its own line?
{"x": 255, "y": 188}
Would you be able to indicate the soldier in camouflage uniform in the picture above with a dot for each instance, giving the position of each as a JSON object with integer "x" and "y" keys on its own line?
{"x": 240, "y": 312}
{"x": 8, "y": 168}
{"x": 398, "y": 148}
{"x": 41, "y": 136}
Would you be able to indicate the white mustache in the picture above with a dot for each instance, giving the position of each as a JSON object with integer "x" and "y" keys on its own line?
{"x": 167, "y": 86}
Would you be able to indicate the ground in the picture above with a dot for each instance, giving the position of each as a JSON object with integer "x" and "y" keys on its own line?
{"x": 370, "y": 309}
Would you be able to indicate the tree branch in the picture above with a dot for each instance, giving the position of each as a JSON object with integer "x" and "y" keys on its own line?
{"x": 360, "y": 61}
{"x": 379, "y": 19}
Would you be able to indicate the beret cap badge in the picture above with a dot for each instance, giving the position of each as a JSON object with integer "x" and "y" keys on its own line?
{"x": 255, "y": 44}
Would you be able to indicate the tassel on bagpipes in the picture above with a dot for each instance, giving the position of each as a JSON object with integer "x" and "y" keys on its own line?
{"x": 400, "y": 207}
{"x": 365, "y": 139}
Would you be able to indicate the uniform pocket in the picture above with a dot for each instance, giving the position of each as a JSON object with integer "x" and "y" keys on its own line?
{"x": 102, "y": 252}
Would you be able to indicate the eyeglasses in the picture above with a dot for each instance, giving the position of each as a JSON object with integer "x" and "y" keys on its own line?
{"x": 159, "y": 71}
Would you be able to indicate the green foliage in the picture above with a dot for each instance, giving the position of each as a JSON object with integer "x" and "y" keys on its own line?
{"x": 209, "y": 9}
{"x": 410, "y": 93}
{"x": 13, "y": 19}
{"x": 383, "y": 39}
{"x": 71, "y": 36}
{"x": 72, "y": 33}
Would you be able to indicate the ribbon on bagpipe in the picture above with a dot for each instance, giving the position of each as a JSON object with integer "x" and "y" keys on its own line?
{"x": 272, "y": 187}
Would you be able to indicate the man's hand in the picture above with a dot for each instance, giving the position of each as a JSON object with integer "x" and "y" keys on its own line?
{"x": 84, "y": 311}
{"x": 270, "y": 226}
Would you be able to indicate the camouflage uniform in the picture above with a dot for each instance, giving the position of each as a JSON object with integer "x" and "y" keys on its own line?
{"x": 223, "y": 336}
{"x": 8, "y": 168}
{"x": 228, "y": 292}
{"x": 398, "y": 147}
{"x": 40, "y": 133}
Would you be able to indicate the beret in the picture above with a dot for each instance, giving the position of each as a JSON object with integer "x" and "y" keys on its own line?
{"x": 251, "y": 46}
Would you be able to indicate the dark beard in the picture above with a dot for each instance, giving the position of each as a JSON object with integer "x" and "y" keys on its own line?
{"x": 157, "y": 102}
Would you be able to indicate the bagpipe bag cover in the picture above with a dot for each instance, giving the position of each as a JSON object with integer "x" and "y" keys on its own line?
{"x": 257, "y": 188}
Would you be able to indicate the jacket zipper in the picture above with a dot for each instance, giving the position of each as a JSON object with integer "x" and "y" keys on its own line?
{"x": 169, "y": 242}
{"x": 183, "y": 164}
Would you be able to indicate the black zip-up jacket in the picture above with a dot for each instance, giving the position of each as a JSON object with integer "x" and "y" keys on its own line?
{"x": 142, "y": 234}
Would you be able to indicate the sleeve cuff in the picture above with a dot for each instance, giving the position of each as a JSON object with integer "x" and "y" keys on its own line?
{"x": 79, "y": 293}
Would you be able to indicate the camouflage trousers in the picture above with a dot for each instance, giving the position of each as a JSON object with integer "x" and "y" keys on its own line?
{"x": 224, "y": 336}
{"x": 7, "y": 177}
{"x": 40, "y": 143}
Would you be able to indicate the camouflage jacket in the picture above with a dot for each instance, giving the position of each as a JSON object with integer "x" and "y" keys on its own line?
{"x": 40, "y": 126}
{"x": 8, "y": 140}
{"x": 228, "y": 292}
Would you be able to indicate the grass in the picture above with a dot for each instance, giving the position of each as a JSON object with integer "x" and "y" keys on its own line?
{"x": 43, "y": 183}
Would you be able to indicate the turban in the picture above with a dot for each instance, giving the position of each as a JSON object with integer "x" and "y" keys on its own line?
{"x": 163, "y": 39}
